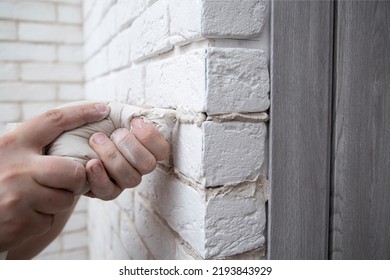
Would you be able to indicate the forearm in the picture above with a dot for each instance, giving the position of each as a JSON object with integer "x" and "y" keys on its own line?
{"x": 32, "y": 247}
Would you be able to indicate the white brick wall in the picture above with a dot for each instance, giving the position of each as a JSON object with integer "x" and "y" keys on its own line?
{"x": 209, "y": 200}
{"x": 41, "y": 66}
{"x": 207, "y": 59}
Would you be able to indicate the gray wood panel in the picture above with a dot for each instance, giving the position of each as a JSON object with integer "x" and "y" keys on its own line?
{"x": 300, "y": 125}
{"x": 361, "y": 182}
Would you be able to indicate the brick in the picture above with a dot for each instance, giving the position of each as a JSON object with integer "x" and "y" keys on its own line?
{"x": 70, "y": 91}
{"x": 9, "y": 71}
{"x": 132, "y": 243}
{"x": 220, "y": 153}
{"x": 97, "y": 65}
{"x": 125, "y": 203}
{"x": 212, "y": 80}
{"x": 100, "y": 89}
{"x": 8, "y": 30}
{"x": 87, "y": 6}
{"x": 158, "y": 238}
{"x": 52, "y": 72}
{"x": 21, "y": 10}
{"x": 10, "y": 112}
{"x": 69, "y": 14}
{"x": 128, "y": 11}
{"x": 76, "y": 222}
{"x": 178, "y": 81}
{"x": 185, "y": 21}
{"x": 119, "y": 50}
{"x": 129, "y": 85}
{"x": 214, "y": 222}
{"x": 52, "y": 33}
{"x": 26, "y": 52}
{"x": 150, "y": 32}
{"x": 178, "y": 204}
{"x": 17, "y": 91}
{"x": 70, "y": 53}
{"x": 235, "y": 220}
{"x": 237, "y": 81}
{"x": 226, "y": 19}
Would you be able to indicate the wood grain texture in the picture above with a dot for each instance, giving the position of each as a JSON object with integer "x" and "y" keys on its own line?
{"x": 361, "y": 182}
{"x": 300, "y": 125}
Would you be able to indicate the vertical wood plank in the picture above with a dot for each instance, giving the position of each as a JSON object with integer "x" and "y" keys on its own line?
{"x": 361, "y": 192}
{"x": 300, "y": 125}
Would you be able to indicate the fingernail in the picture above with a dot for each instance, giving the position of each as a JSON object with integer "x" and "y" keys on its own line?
{"x": 102, "y": 108}
{"x": 99, "y": 138}
{"x": 137, "y": 123}
{"x": 116, "y": 133}
{"x": 96, "y": 168}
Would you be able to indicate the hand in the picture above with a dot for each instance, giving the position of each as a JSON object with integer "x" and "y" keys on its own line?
{"x": 124, "y": 158}
{"x": 34, "y": 188}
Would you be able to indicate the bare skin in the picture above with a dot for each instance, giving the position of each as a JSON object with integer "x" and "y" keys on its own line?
{"x": 38, "y": 192}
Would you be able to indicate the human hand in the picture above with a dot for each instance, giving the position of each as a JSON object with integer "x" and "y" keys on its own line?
{"x": 34, "y": 188}
{"x": 124, "y": 158}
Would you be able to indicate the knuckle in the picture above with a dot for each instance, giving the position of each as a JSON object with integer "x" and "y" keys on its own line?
{"x": 147, "y": 165}
{"x": 149, "y": 135}
{"x": 134, "y": 180}
{"x": 54, "y": 116}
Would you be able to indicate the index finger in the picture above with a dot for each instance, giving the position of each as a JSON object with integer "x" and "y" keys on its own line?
{"x": 43, "y": 129}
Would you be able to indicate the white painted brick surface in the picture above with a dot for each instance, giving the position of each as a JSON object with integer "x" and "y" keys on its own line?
{"x": 207, "y": 204}
{"x": 17, "y": 91}
{"x": 70, "y": 53}
{"x": 215, "y": 222}
{"x": 213, "y": 80}
{"x": 150, "y": 32}
{"x": 52, "y": 72}
{"x": 28, "y": 10}
{"x": 227, "y": 19}
{"x": 71, "y": 92}
{"x": 9, "y": 71}
{"x": 10, "y": 112}
{"x": 26, "y": 52}
{"x": 185, "y": 22}
{"x": 53, "y": 33}
{"x": 7, "y": 30}
{"x": 69, "y": 14}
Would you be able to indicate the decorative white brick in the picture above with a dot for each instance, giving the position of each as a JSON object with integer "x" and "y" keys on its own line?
{"x": 53, "y": 33}
{"x": 119, "y": 50}
{"x": 129, "y": 85}
{"x": 8, "y": 30}
{"x": 26, "y": 52}
{"x": 128, "y": 11}
{"x": 185, "y": 21}
{"x": 235, "y": 220}
{"x": 97, "y": 65}
{"x": 220, "y": 153}
{"x": 215, "y": 222}
{"x": 76, "y": 222}
{"x": 213, "y": 80}
{"x": 132, "y": 243}
{"x": 237, "y": 81}
{"x": 8, "y": 72}
{"x": 177, "y": 203}
{"x": 17, "y": 91}
{"x": 9, "y": 112}
{"x": 70, "y": 53}
{"x": 179, "y": 81}
{"x": 70, "y": 92}
{"x": 52, "y": 72}
{"x": 69, "y": 14}
{"x": 228, "y": 19}
{"x": 28, "y": 10}
{"x": 150, "y": 32}
{"x": 158, "y": 238}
